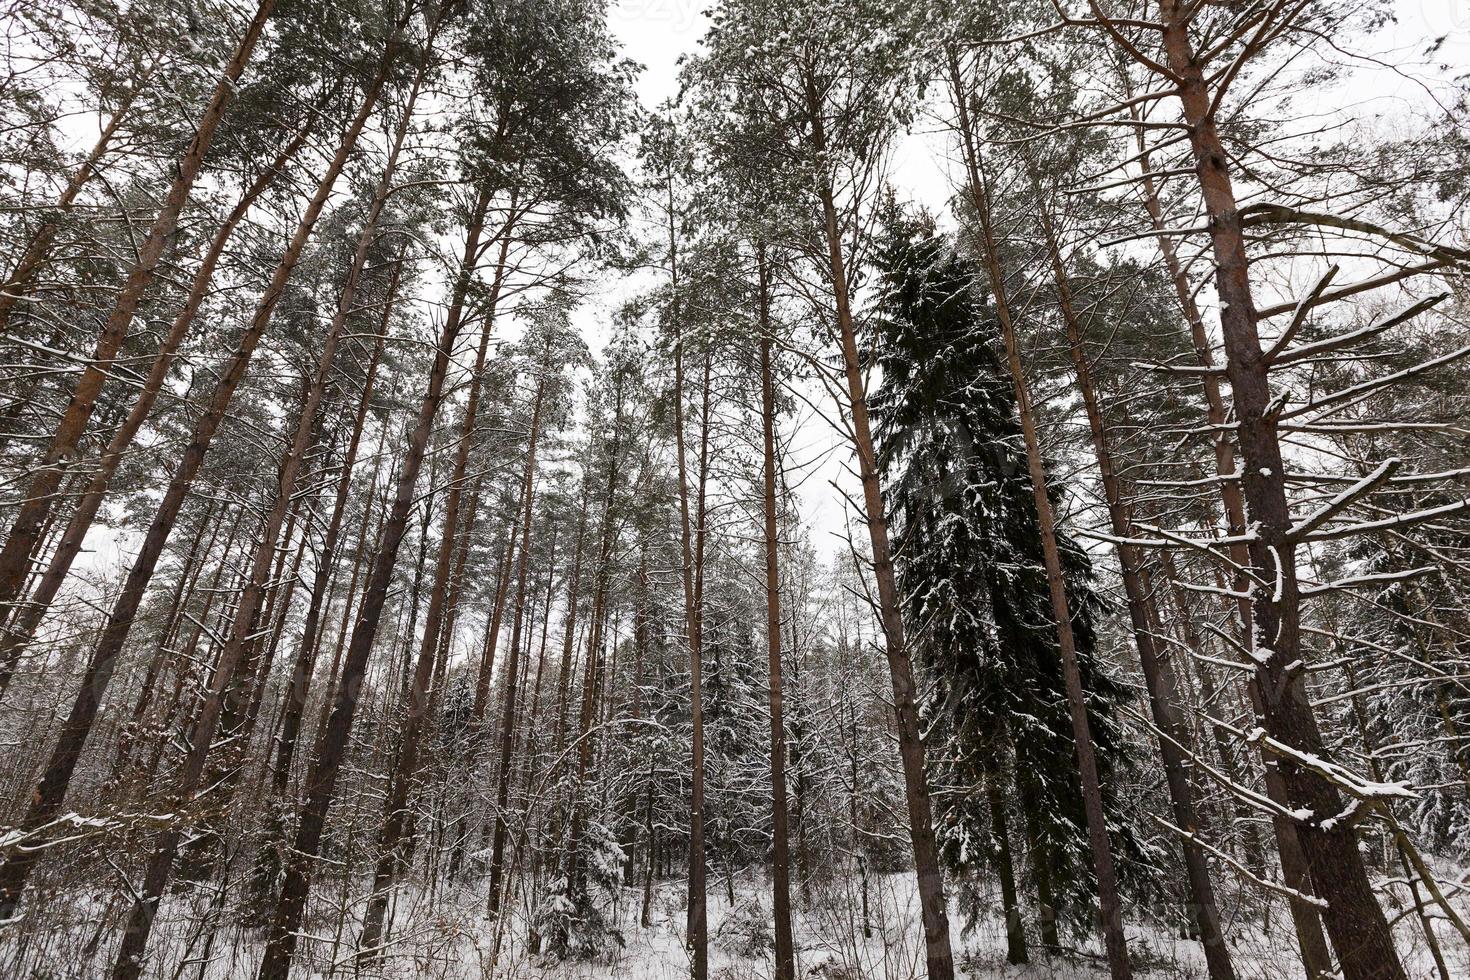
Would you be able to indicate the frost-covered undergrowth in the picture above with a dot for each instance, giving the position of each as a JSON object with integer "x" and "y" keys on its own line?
{"x": 445, "y": 935}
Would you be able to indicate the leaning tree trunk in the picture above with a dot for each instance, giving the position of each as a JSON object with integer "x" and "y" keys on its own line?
{"x": 1158, "y": 670}
{"x": 21, "y": 630}
{"x": 1354, "y": 920}
{"x": 1308, "y": 926}
{"x": 321, "y": 781}
{"x": 229, "y": 692}
{"x": 397, "y": 814}
{"x": 299, "y": 684}
{"x": 40, "y": 495}
{"x": 1097, "y": 828}
{"x": 50, "y": 792}
{"x": 932, "y": 907}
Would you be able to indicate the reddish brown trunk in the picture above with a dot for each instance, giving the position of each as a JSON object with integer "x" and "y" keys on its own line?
{"x": 1354, "y": 920}
{"x": 1097, "y": 830}
{"x": 932, "y": 905}
{"x": 321, "y": 781}
{"x": 1310, "y": 940}
{"x": 51, "y": 791}
{"x": 41, "y": 492}
{"x": 229, "y": 693}
{"x": 21, "y": 629}
{"x": 397, "y": 814}
{"x": 301, "y": 670}
{"x": 512, "y": 671}
{"x": 1175, "y": 739}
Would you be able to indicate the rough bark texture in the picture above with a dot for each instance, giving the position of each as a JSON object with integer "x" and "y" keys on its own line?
{"x": 1097, "y": 829}
{"x": 15, "y": 556}
{"x": 321, "y": 781}
{"x": 51, "y": 791}
{"x": 938, "y": 955}
{"x": 1355, "y": 922}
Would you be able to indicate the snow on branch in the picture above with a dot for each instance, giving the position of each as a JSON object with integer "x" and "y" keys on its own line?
{"x": 1332, "y": 344}
{"x": 1299, "y": 316}
{"x": 1343, "y": 500}
{"x": 1344, "y": 779}
{"x": 1389, "y": 523}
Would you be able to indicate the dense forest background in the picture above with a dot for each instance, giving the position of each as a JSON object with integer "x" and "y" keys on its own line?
{"x": 462, "y": 521}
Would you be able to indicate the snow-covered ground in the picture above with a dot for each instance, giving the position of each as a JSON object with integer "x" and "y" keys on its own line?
{"x": 447, "y": 936}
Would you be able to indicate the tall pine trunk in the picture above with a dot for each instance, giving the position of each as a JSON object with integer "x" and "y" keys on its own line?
{"x": 1355, "y": 922}
{"x": 1097, "y": 829}
{"x": 932, "y": 906}
{"x": 1175, "y": 740}
{"x": 513, "y": 668}
{"x": 780, "y": 846}
{"x": 40, "y": 494}
{"x": 27, "y": 618}
{"x": 51, "y": 791}
{"x": 229, "y": 693}
{"x": 321, "y": 782}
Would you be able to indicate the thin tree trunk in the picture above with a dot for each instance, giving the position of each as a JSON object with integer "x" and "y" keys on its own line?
{"x": 41, "y": 492}
{"x": 51, "y": 791}
{"x": 696, "y": 935}
{"x": 326, "y": 766}
{"x": 22, "y": 628}
{"x": 932, "y": 905}
{"x": 301, "y": 669}
{"x": 396, "y": 837}
{"x": 1175, "y": 742}
{"x": 397, "y": 815}
{"x": 1000, "y": 837}
{"x": 182, "y": 594}
{"x": 780, "y": 847}
{"x": 228, "y": 695}
{"x": 1097, "y": 830}
{"x": 512, "y": 671}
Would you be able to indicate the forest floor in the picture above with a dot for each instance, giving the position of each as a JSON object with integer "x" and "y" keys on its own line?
{"x": 445, "y": 935}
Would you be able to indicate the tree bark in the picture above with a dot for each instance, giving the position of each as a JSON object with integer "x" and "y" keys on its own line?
{"x": 512, "y": 671}
{"x": 15, "y": 556}
{"x": 321, "y": 783}
{"x": 229, "y": 694}
{"x": 1175, "y": 740}
{"x": 51, "y": 791}
{"x": 22, "y": 627}
{"x": 397, "y": 816}
{"x": 311, "y": 629}
{"x": 1310, "y": 940}
{"x": 1097, "y": 830}
{"x": 1355, "y": 922}
{"x": 932, "y": 904}
{"x": 780, "y": 846}
{"x": 696, "y": 932}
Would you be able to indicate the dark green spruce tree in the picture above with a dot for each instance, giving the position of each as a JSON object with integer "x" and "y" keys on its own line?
{"x": 969, "y": 559}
